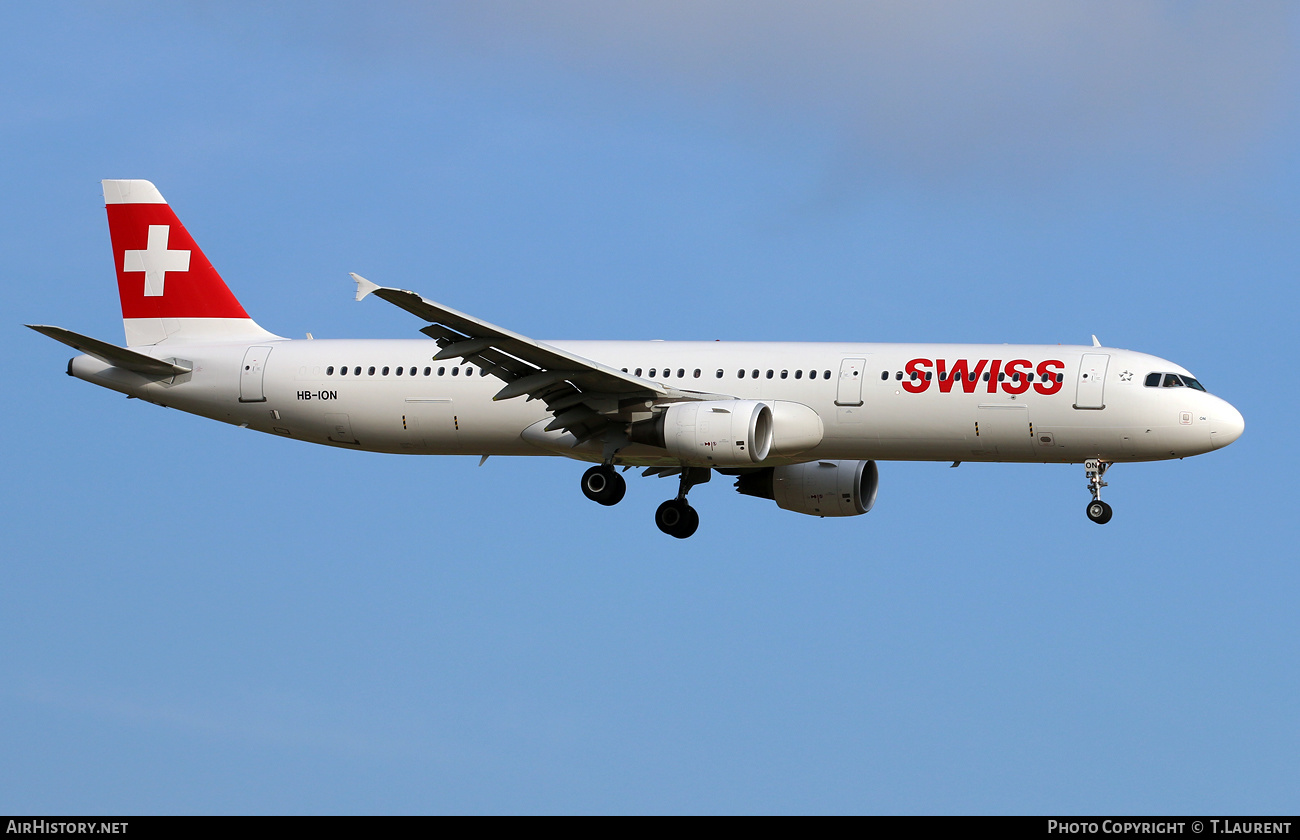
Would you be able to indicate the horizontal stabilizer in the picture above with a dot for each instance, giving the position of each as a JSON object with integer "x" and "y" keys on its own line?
{"x": 110, "y": 353}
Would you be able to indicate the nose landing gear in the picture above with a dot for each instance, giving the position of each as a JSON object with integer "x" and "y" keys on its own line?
{"x": 1098, "y": 511}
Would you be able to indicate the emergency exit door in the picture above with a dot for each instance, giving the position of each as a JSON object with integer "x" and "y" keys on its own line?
{"x": 849, "y": 391}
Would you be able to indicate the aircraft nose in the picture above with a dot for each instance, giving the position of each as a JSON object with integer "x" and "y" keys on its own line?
{"x": 1226, "y": 425}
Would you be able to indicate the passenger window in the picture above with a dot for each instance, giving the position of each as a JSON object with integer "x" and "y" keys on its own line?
{"x": 681, "y": 373}
{"x": 784, "y": 374}
{"x": 399, "y": 371}
{"x": 884, "y": 376}
{"x": 441, "y": 371}
{"x": 986, "y": 376}
{"x": 455, "y": 371}
{"x": 943, "y": 376}
{"x": 769, "y": 374}
{"x": 826, "y": 374}
{"x": 928, "y": 375}
{"x": 719, "y": 373}
{"x": 798, "y": 374}
{"x": 652, "y": 372}
{"x": 899, "y": 376}
{"x": 638, "y": 371}
{"x": 740, "y": 374}
{"x": 385, "y": 370}
{"x": 343, "y": 371}
{"x": 356, "y": 371}
{"x": 755, "y": 374}
{"x": 329, "y": 371}
{"x": 427, "y": 371}
{"x": 697, "y": 373}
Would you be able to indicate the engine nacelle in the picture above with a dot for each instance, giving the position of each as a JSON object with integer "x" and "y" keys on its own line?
{"x": 795, "y": 428}
{"x": 817, "y": 488}
{"x": 718, "y": 433}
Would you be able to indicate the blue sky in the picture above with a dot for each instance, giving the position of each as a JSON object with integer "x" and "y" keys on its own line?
{"x": 198, "y": 619}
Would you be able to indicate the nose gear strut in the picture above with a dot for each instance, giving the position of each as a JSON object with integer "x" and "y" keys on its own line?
{"x": 1098, "y": 511}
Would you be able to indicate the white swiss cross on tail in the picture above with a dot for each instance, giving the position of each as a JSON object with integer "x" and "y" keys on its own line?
{"x": 155, "y": 261}
{"x": 149, "y": 239}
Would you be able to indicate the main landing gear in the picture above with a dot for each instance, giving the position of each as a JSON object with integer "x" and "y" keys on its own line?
{"x": 603, "y": 485}
{"x": 1098, "y": 511}
{"x": 676, "y": 517}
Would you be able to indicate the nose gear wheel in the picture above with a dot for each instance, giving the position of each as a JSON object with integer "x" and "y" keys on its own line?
{"x": 1098, "y": 511}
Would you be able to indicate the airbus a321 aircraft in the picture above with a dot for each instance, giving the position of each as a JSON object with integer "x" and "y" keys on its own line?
{"x": 801, "y": 424}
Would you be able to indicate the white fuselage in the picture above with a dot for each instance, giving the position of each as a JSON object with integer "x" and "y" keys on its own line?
{"x": 1083, "y": 402}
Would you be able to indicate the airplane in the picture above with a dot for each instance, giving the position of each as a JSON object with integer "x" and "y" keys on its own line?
{"x": 799, "y": 423}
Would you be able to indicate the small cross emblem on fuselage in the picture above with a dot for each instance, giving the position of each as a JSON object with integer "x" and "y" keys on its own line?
{"x": 155, "y": 260}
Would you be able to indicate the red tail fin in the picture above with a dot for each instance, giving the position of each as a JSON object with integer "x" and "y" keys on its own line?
{"x": 169, "y": 290}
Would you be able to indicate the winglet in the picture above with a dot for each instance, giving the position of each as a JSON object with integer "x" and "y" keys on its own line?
{"x": 364, "y": 286}
{"x": 1095, "y": 342}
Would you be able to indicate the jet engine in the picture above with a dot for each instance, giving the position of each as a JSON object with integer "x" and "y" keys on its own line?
{"x": 817, "y": 488}
{"x": 717, "y": 433}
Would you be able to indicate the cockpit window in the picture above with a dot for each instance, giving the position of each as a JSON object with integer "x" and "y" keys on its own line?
{"x": 1173, "y": 380}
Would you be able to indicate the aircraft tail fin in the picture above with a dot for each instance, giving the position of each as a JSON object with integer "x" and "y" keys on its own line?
{"x": 169, "y": 290}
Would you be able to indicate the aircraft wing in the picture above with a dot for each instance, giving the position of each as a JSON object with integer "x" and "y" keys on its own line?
{"x": 585, "y": 396}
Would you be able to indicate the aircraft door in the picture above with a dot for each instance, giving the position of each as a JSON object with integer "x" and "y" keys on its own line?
{"x": 1092, "y": 381}
{"x": 250, "y": 377}
{"x": 850, "y": 386}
